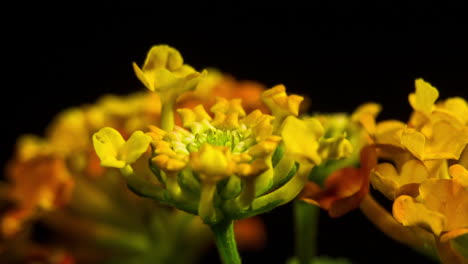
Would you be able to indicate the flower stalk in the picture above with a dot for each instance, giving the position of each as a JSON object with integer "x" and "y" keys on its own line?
{"x": 226, "y": 242}
{"x": 306, "y": 225}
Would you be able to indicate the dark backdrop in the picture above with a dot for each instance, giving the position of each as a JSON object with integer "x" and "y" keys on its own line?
{"x": 339, "y": 54}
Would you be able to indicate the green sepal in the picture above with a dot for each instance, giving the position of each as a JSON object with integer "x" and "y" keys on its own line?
{"x": 156, "y": 172}
{"x": 277, "y": 155}
{"x": 288, "y": 177}
{"x": 189, "y": 182}
{"x": 249, "y": 213}
{"x": 230, "y": 188}
{"x": 460, "y": 244}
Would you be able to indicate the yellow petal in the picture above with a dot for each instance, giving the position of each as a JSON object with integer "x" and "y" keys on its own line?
{"x": 449, "y": 198}
{"x": 163, "y": 56}
{"x": 301, "y": 137}
{"x": 457, "y": 107}
{"x": 383, "y": 178}
{"x": 213, "y": 163}
{"x": 365, "y": 115}
{"x": 389, "y": 132}
{"x": 410, "y": 213}
{"x": 460, "y": 174}
{"x": 414, "y": 142}
{"x": 387, "y": 180}
{"x": 280, "y": 104}
{"x": 424, "y": 97}
{"x": 136, "y": 145}
{"x": 107, "y": 143}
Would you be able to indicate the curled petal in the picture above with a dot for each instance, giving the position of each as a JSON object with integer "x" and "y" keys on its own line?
{"x": 424, "y": 97}
{"x": 365, "y": 115}
{"x": 136, "y": 145}
{"x": 410, "y": 213}
{"x": 387, "y": 180}
{"x": 301, "y": 137}
{"x": 107, "y": 143}
{"x": 113, "y": 151}
{"x": 212, "y": 162}
{"x": 460, "y": 174}
{"x": 345, "y": 188}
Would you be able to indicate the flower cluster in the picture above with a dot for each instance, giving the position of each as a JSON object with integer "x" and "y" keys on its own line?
{"x": 213, "y": 151}
{"x": 57, "y": 182}
{"x": 423, "y": 168}
{"x": 223, "y": 165}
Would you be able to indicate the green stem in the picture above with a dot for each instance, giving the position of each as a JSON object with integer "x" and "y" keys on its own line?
{"x": 226, "y": 242}
{"x": 305, "y": 221}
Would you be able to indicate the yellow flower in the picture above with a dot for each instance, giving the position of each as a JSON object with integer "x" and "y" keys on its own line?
{"x": 322, "y": 137}
{"x": 389, "y": 181}
{"x": 365, "y": 115}
{"x": 445, "y": 141}
{"x": 164, "y": 71}
{"x": 114, "y": 151}
{"x": 280, "y": 104}
{"x": 68, "y": 133}
{"x": 441, "y": 207}
{"x": 31, "y": 146}
{"x": 213, "y": 163}
{"x": 301, "y": 139}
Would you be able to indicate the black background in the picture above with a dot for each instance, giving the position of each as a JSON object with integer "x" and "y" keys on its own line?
{"x": 339, "y": 54}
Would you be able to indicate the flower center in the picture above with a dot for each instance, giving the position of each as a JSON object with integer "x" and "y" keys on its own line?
{"x": 238, "y": 140}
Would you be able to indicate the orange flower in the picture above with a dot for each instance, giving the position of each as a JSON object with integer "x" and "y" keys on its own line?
{"x": 42, "y": 182}
{"x": 345, "y": 188}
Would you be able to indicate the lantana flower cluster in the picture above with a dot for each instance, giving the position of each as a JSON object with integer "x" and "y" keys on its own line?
{"x": 212, "y": 151}
{"x": 223, "y": 163}
{"x": 56, "y": 182}
{"x": 423, "y": 168}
